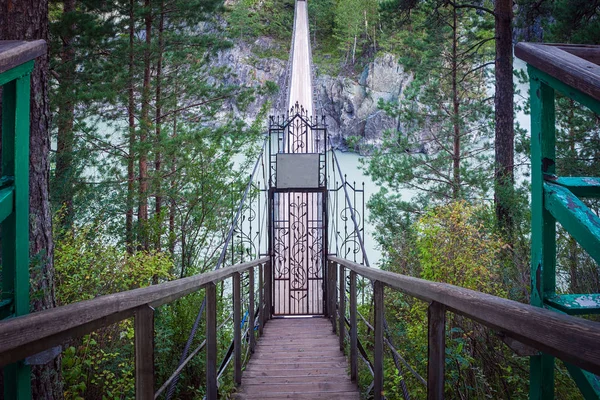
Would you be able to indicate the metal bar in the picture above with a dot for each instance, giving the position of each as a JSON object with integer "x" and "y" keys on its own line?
{"x": 436, "y": 315}
{"x": 144, "y": 353}
{"x": 342, "y": 311}
{"x": 237, "y": 330}
{"x": 353, "y": 329}
{"x": 378, "y": 347}
{"x": 251, "y": 309}
{"x": 211, "y": 342}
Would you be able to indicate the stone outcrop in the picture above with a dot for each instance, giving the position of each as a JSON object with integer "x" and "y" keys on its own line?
{"x": 350, "y": 105}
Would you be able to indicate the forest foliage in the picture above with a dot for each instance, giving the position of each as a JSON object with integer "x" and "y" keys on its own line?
{"x": 143, "y": 179}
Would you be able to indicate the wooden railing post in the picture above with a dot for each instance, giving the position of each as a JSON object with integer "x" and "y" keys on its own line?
{"x": 269, "y": 290}
{"x": 342, "y": 310}
{"x": 353, "y": 329}
{"x": 143, "y": 324}
{"x": 332, "y": 279}
{"x": 237, "y": 330}
{"x": 251, "y": 309}
{"x": 378, "y": 350}
{"x": 436, "y": 315}
{"x": 261, "y": 299}
{"x": 211, "y": 341}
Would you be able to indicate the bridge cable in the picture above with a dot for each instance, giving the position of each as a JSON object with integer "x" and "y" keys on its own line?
{"x": 366, "y": 260}
{"x": 190, "y": 339}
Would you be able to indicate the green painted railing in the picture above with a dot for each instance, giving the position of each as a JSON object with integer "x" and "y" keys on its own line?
{"x": 572, "y": 71}
{"x": 16, "y": 65}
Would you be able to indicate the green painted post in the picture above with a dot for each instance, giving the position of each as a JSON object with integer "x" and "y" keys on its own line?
{"x": 543, "y": 225}
{"x": 15, "y": 228}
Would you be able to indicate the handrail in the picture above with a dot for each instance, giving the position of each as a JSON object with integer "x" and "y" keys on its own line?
{"x": 28, "y": 335}
{"x": 571, "y": 339}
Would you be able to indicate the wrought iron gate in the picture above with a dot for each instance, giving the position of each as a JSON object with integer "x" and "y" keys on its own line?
{"x": 298, "y": 235}
{"x": 298, "y": 253}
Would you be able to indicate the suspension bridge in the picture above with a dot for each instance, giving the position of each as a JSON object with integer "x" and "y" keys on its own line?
{"x": 295, "y": 264}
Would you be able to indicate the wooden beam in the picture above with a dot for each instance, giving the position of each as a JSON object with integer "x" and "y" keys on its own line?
{"x": 571, "y": 339}
{"x": 575, "y": 217}
{"x": 436, "y": 315}
{"x": 24, "y": 336}
{"x": 16, "y": 52}
{"x": 211, "y": 342}
{"x": 144, "y": 353}
{"x": 576, "y": 72}
{"x": 342, "y": 311}
{"x": 353, "y": 329}
{"x": 251, "y": 309}
{"x": 378, "y": 347}
{"x": 261, "y": 299}
{"x": 237, "y": 330}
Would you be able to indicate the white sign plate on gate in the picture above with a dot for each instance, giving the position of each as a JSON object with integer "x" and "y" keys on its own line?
{"x": 297, "y": 171}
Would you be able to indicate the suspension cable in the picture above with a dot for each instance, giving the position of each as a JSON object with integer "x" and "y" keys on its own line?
{"x": 190, "y": 339}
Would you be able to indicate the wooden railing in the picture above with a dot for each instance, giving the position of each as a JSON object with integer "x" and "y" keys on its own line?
{"x": 26, "y": 336}
{"x": 573, "y": 340}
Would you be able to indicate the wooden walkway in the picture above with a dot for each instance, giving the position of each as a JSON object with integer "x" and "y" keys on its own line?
{"x": 297, "y": 358}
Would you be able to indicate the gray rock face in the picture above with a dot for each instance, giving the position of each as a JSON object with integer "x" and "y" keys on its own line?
{"x": 245, "y": 68}
{"x": 351, "y": 107}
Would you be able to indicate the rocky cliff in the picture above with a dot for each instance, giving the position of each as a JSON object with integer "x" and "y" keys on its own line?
{"x": 349, "y": 103}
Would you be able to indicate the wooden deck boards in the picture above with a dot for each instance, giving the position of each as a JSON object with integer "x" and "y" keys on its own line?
{"x": 297, "y": 358}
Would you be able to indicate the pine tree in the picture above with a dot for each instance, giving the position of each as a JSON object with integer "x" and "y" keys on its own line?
{"x": 445, "y": 114}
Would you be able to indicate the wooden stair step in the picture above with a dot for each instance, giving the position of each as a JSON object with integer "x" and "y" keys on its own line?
{"x": 350, "y": 395}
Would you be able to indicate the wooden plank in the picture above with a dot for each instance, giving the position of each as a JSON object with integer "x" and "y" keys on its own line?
{"x": 144, "y": 353}
{"x": 24, "y": 336}
{"x": 579, "y": 186}
{"x": 251, "y": 309}
{"x": 6, "y": 202}
{"x": 353, "y": 329}
{"x": 581, "y": 222}
{"x": 436, "y": 315}
{"x": 310, "y": 371}
{"x": 576, "y": 304}
{"x": 237, "y": 330}
{"x": 261, "y": 300}
{"x": 16, "y": 52}
{"x": 300, "y": 396}
{"x": 543, "y": 225}
{"x": 211, "y": 342}
{"x": 572, "y": 70}
{"x": 342, "y": 310}
{"x": 588, "y": 52}
{"x": 378, "y": 347}
{"x": 572, "y": 339}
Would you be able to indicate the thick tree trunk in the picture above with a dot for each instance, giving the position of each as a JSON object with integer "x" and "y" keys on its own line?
{"x": 131, "y": 115}
{"x": 455, "y": 111}
{"x": 64, "y": 120}
{"x": 504, "y": 174}
{"x": 158, "y": 154}
{"x": 28, "y": 20}
{"x": 143, "y": 137}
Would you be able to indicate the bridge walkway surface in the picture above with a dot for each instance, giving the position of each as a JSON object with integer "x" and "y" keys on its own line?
{"x": 297, "y": 358}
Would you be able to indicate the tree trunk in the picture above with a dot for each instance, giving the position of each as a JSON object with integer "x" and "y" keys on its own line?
{"x": 64, "y": 173}
{"x": 158, "y": 155}
{"x": 456, "y": 111}
{"x": 131, "y": 115}
{"x": 28, "y": 20}
{"x": 172, "y": 236}
{"x": 143, "y": 137}
{"x": 504, "y": 174}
